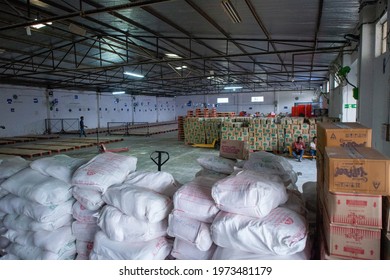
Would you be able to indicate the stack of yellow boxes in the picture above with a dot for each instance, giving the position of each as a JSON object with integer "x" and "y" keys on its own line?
{"x": 352, "y": 178}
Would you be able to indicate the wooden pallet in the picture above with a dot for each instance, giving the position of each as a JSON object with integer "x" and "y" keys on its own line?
{"x": 17, "y": 139}
{"x": 24, "y": 152}
{"x": 70, "y": 142}
{"x": 44, "y": 136}
{"x": 56, "y": 149}
{"x": 6, "y": 142}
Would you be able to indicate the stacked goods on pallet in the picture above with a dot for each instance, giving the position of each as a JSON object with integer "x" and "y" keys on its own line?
{"x": 194, "y": 210}
{"x": 9, "y": 165}
{"x": 201, "y": 130}
{"x": 39, "y": 210}
{"x": 180, "y": 130}
{"x": 351, "y": 178}
{"x": 90, "y": 181}
{"x": 386, "y": 229}
{"x": 255, "y": 205}
{"x": 133, "y": 223}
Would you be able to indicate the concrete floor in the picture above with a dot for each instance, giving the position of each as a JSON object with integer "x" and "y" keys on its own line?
{"x": 182, "y": 163}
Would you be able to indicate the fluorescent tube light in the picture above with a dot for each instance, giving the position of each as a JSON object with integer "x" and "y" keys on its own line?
{"x": 181, "y": 67}
{"x": 172, "y": 55}
{"x": 231, "y": 11}
{"x": 133, "y": 74}
{"x": 40, "y": 25}
{"x": 118, "y": 92}
{"x": 232, "y": 87}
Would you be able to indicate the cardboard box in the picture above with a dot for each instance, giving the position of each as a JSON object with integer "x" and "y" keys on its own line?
{"x": 337, "y": 134}
{"x": 386, "y": 214}
{"x": 357, "y": 170}
{"x": 234, "y": 149}
{"x": 361, "y": 210}
{"x": 351, "y": 242}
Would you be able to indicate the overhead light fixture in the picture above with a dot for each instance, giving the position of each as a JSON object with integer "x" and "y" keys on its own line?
{"x": 77, "y": 29}
{"x": 232, "y": 87}
{"x": 118, "y": 92}
{"x": 172, "y": 55}
{"x": 231, "y": 11}
{"x": 40, "y": 25}
{"x": 133, "y": 74}
{"x": 181, "y": 67}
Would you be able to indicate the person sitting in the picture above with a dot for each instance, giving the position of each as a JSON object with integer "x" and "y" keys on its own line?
{"x": 298, "y": 148}
{"x": 313, "y": 147}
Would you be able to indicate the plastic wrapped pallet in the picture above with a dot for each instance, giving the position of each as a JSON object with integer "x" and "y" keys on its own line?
{"x": 249, "y": 193}
{"x": 107, "y": 249}
{"x": 282, "y": 232}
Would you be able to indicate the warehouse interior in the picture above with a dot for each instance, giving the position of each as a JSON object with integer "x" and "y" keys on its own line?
{"x": 163, "y": 80}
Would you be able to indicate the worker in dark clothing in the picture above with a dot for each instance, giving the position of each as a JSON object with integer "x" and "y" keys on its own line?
{"x": 82, "y": 126}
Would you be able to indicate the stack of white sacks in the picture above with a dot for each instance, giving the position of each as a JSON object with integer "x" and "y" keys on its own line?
{"x": 194, "y": 211}
{"x": 262, "y": 215}
{"x": 90, "y": 181}
{"x": 9, "y": 165}
{"x": 39, "y": 211}
{"x": 133, "y": 223}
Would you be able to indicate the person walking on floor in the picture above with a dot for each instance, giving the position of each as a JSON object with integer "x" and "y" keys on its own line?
{"x": 82, "y": 127}
{"x": 298, "y": 148}
{"x": 313, "y": 147}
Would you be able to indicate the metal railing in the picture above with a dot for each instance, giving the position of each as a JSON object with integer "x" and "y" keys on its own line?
{"x": 128, "y": 128}
{"x": 61, "y": 125}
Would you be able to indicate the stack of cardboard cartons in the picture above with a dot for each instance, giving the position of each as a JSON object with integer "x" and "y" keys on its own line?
{"x": 351, "y": 178}
{"x": 386, "y": 229}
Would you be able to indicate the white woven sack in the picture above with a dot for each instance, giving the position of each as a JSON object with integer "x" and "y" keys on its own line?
{"x": 24, "y": 252}
{"x": 206, "y": 173}
{"x": 83, "y": 231}
{"x": 217, "y": 164}
{"x": 90, "y": 199}
{"x": 103, "y": 171}
{"x": 4, "y": 242}
{"x": 32, "y": 185}
{"x": 53, "y": 241}
{"x": 282, "y": 232}
{"x": 83, "y": 249}
{"x": 183, "y": 250}
{"x": 25, "y": 223}
{"x": 11, "y": 165}
{"x": 295, "y": 202}
{"x": 139, "y": 202}
{"x": 83, "y": 215}
{"x": 9, "y": 257}
{"x": 160, "y": 181}
{"x": 234, "y": 254}
{"x": 190, "y": 230}
{"x": 194, "y": 199}
{"x": 13, "y": 204}
{"x": 61, "y": 167}
{"x": 249, "y": 193}
{"x": 120, "y": 227}
{"x": 107, "y": 249}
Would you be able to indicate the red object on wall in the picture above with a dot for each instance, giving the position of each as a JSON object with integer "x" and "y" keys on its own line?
{"x": 301, "y": 111}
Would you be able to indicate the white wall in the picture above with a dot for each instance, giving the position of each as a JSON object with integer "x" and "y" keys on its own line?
{"x": 242, "y": 102}
{"x": 27, "y": 113}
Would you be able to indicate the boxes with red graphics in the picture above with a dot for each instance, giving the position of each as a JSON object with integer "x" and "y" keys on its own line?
{"x": 361, "y": 210}
{"x": 352, "y": 242}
